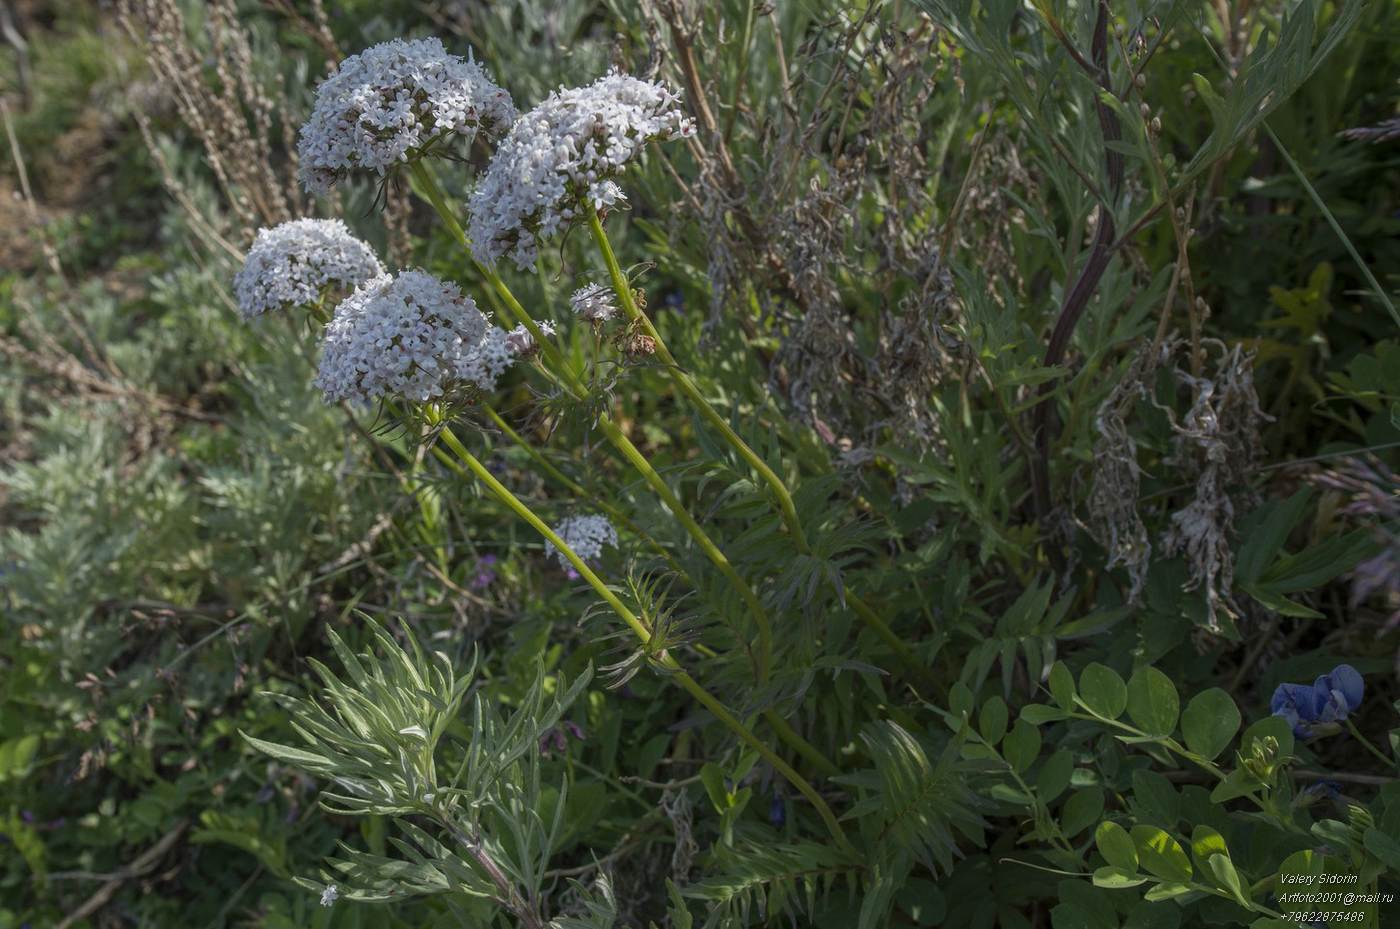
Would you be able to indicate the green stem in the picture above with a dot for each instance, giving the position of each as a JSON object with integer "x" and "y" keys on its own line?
{"x": 669, "y": 664}
{"x": 786, "y": 507}
{"x": 687, "y": 386}
{"x": 1321, "y": 204}
{"x": 1366, "y": 743}
{"x": 610, "y": 429}
{"x": 577, "y": 489}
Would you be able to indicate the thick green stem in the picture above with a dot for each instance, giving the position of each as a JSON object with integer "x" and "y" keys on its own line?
{"x": 577, "y": 489}
{"x": 687, "y": 386}
{"x": 669, "y": 664}
{"x": 786, "y": 507}
{"x": 609, "y": 428}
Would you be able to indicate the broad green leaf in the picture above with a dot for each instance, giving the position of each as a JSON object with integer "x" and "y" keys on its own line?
{"x": 1161, "y": 855}
{"x": 1205, "y": 842}
{"x": 1155, "y": 799}
{"x": 1054, "y": 775}
{"x": 1153, "y": 704}
{"x": 1116, "y": 846}
{"x": 1210, "y": 722}
{"x": 1383, "y": 847}
{"x": 1081, "y": 810}
{"x": 1103, "y": 691}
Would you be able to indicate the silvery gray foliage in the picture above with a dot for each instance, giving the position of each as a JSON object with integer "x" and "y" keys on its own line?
{"x": 562, "y": 157}
{"x": 383, "y": 739}
{"x": 586, "y": 535}
{"x": 412, "y": 336}
{"x": 393, "y": 100}
{"x": 294, "y": 263}
{"x": 594, "y": 302}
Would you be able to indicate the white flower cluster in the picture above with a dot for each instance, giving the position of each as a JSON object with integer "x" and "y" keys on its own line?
{"x": 563, "y": 154}
{"x": 330, "y": 895}
{"x": 411, "y": 336}
{"x": 521, "y": 341}
{"x": 594, "y": 302}
{"x": 393, "y": 99}
{"x": 292, "y": 264}
{"x": 586, "y": 535}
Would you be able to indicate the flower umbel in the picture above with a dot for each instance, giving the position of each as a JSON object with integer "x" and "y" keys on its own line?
{"x": 1315, "y": 709}
{"x": 562, "y": 156}
{"x": 295, "y": 263}
{"x": 594, "y": 302}
{"x": 412, "y": 336}
{"x": 586, "y": 535}
{"x": 392, "y": 102}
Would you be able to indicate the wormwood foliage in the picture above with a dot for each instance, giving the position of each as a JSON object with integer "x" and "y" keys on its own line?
{"x": 961, "y": 436}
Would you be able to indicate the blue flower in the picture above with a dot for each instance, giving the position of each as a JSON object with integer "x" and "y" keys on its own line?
{"x": 1317, "y": 708}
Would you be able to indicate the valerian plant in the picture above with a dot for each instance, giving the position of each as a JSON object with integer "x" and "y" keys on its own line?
{"x": 960, "y": 436}
{"x": 426, "y": 353}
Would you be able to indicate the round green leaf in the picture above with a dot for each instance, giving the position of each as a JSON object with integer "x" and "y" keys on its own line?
{"x": 1152, "y": 701}
{"x": 1116, "y": 846}
{"x": 1054, "y": 775}
{"x": 1022, "y": 746}
{"x": 1103, "y": 691}
{"x": 1210, "y": 722}
{"x": 1081, "y": 810}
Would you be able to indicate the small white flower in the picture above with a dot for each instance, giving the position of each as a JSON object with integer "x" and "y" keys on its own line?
{"x": 293, "y": 264}
{"x": 410, "y": 335}
{"x": 586, "y": 535}
{"x": 594, "y": 302}
{"x": 521, "y": 341}
{"x": 562, "y": 156}
{"x": 330, "y": 895}
{"x": 391, "y": 101}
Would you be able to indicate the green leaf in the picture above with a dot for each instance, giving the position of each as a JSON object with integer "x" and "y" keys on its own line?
{"x": 1038, "y": 714}
{"x": 1054, "y": 775}
{"x": 1102, "y": 691}
{"x": 1160, "y": 855}
{"x": 1265, "y": 540}
{"x": 1022, "y": 746}
{"x": 1227, "y": 877}
{"x": 1114, "y": 878}
{"x": 1153, "y": 704}
{"x": 1167, "y": 891}
{"x": 1210, "y": 722}
{"x": 1238, "y": 783}
{"x": 712, "y": 776}
{"x": 991, "y": 721}
{"x": 1205, "y": 842}
{"x": 1081, "y": 810}
{"x": 1062, "y": 686}
{"x": 1155, "y": 799}
{"x": 960, "y": 701}
{"x": 304, "y": 759}
{"x": 1116, "y": 846}
{"x": 1383, "y": 847}
{"x": 16, "y": 756}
